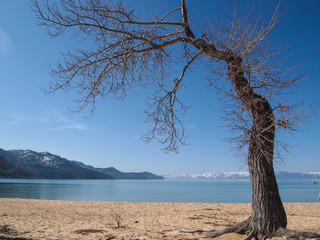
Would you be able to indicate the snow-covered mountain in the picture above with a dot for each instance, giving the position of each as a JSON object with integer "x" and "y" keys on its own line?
{"x": 243, "y": 175}
{"x": 47, "y": 165}
{"x": 30, "y": 157}
{"x": 212, "y": 175}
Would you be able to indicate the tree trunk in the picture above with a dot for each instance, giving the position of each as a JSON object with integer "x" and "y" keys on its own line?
{"x": 268, "y": 214}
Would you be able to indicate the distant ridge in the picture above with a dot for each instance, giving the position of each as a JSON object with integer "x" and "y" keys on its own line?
{"x": 280, "y": 175}
{"x": 213, "y": 175}
{"x": 116, "y": 174}
{"x": 49, "y": 166}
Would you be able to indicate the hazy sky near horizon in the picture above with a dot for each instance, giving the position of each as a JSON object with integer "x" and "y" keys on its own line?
{"x": 30, "y": 119}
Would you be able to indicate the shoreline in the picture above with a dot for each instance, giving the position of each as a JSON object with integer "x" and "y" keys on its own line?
{"x": 94, "y": 220}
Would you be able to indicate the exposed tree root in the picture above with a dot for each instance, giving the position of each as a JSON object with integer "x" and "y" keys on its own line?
{"x": 283, "y": 232}
{"x": 194, "y": 231}
{"x": 10, "y": 237}
{"x": 250, "y": 236}
{"x": 245, "y": 227}
{"x": 241, "y": 228}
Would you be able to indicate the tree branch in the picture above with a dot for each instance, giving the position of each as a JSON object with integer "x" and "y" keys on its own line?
{"x": 185, "y": 20}
{"x": 162, "y": 115}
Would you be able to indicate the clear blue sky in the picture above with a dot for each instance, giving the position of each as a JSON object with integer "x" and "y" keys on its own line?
{"x": 29, "y": 119}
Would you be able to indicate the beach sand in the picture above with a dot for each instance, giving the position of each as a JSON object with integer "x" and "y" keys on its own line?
{"x": 98, "y": 220}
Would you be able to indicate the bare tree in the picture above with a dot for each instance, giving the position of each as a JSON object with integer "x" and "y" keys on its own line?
{"x": 117, "y": 217}
{"x": 245, "y": 69}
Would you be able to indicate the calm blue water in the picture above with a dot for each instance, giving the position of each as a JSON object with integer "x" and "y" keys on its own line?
{"x": 149, "y": 190}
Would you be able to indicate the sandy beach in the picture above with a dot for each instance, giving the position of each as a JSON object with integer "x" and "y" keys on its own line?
{"x": 99, "y": 220}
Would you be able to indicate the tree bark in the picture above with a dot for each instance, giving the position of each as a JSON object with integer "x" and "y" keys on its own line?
{"x": 268, "y": 214}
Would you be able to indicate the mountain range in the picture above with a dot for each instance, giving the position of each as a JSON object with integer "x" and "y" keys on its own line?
{"x": 31, "y": 164}
{"x": 280, "y": 175}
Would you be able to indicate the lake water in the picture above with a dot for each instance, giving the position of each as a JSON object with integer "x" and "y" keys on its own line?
{"x": 150, "y": 190}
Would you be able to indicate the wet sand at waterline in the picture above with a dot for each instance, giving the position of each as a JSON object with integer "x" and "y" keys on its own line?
{"x": 99, "y": 220}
